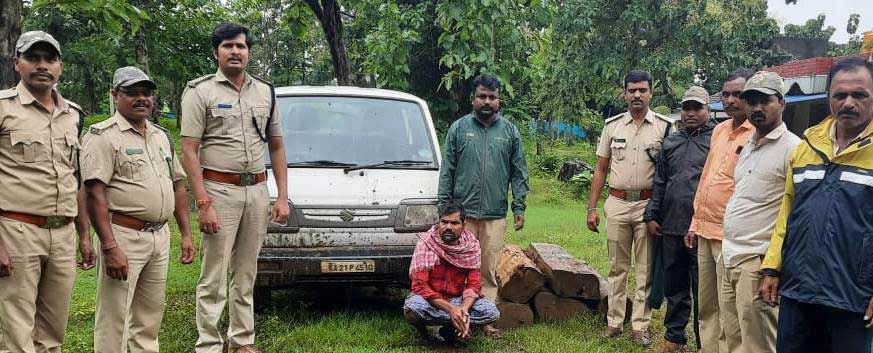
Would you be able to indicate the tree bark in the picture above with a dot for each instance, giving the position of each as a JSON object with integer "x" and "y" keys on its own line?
{"x": 10, "y": 29}
{"x": 514, "y": 315}
{"x": 565, "y": 275}
{"x": 518, "y": 278}
{"x": 330, "y": 18}
{"x": 550, "y": 307}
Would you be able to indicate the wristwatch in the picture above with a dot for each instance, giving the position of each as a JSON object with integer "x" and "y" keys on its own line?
{"x": 203, "y": 204}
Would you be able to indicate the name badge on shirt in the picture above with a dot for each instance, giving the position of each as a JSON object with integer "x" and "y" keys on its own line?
{"x": 132, "y": 151}
{"x": 619, "y": 140}
{"x": 224, "y": 106}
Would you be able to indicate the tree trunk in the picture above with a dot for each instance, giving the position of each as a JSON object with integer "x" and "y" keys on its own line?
{"x": 514, "y": 315}
{"x": 565, "y": 275}
{"x": 10, "y": 29}
{"x": 518, "y": 278}
{"x": 330, "y": 18}
{"x": 550, "y": 307}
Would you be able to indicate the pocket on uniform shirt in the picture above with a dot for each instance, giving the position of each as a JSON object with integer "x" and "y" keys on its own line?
{"x": 618, "y": 149}
{"x": 28, "y": 147}
{"x": 73, "y": 149}
{"x": 132, "y": 167}
{"x": 223, "y": 121}
{"x": 261, "y": 114}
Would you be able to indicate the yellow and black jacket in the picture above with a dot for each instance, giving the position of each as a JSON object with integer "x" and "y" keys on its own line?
{"x": 823, "y": 240}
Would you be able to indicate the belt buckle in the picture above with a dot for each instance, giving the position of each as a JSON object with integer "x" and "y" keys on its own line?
{"x": 632, "y": 195}
{"x": 152, "y": 226}
{"x": 246, "y": 179}
{"x": 54, "y": 222}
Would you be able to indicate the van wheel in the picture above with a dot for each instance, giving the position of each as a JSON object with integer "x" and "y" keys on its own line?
{"x": 262, "y": 297}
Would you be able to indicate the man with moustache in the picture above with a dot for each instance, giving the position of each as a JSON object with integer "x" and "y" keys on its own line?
{"x": 750, "y": 215}
{"x": 39, "y": 154}
{"x": 820, "y": 258}
{"x": 134, "y": 183}
{"x": 713, "y": 192}
{"x": 484, "y": 157}
{"x": 669, "y": 211}
{"x": 229, "y": 119}
{"x": 627, "y": 152}
{"x": 446, "y": 282}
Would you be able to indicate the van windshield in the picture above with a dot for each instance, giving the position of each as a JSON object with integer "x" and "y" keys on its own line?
{"x": 338, "y": 132}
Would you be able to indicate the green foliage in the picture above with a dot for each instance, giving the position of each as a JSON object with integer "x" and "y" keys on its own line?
{"x": 112, "y": 14}
{"x": 812, "y": 29}
{"x": 580, "y": 184}
{"x": 390, "y": 44}
{"x": 663, "y": 110}
{"x": 548, "y": 163}
{"x": 595, "y": 42}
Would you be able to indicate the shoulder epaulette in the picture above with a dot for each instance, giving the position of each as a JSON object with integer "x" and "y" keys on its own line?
{"x": 268, "y": 83}
{"x": 8, "y": 93}
{"x": 98, "y": 128}
{"x": 197, "y": 81}
{"x": 613, "y": 118}
{"x": 665, "y": 118}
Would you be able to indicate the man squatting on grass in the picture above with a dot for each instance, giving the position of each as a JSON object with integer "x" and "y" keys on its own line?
{"x": 446, "y": 281}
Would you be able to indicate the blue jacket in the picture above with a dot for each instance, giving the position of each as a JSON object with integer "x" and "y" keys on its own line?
{"x": 823, "y": 240}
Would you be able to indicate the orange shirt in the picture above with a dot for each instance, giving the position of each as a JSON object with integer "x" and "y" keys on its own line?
{"x": 717, "y": 180}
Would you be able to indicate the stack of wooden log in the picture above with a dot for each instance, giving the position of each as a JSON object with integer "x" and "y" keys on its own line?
{"x": 547, "y": 283}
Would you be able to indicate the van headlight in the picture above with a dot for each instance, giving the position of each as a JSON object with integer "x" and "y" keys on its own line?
{"x": 291, "y": 225}
{"x": 416, "y": 215}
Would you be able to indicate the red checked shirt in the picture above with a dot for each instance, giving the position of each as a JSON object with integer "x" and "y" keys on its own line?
{"x": 446, "y": 281}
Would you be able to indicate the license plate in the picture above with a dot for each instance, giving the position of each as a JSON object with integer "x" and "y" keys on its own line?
{"x": 348, "y": 266}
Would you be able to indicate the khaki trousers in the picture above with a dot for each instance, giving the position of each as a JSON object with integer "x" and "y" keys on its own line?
{"x": 129, "y": 313}
{"x": 627, "y": 241}
{"x": 749, "y": 323}
{"x": 709, "y": 270}
{"x": 230, "y": 264}
{"x": 35, "y": 299}
{"x": 491, "y": 234}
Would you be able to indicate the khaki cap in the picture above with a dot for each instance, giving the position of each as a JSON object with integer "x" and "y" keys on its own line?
{"x": 696, "y": 94}
{"x": 766, "y": 82}
{"x": 28, "y": 39}
{"x": 128, "y": 76}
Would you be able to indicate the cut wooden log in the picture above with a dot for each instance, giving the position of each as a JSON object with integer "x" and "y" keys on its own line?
{"x": 550, "y": 307}
{"x": 572, "y": 168}
{"x": 600, "y": 305}
{"x": 513, "y": 315}
{"x": 565, "y": 275}
{"x": 518, "y": 278}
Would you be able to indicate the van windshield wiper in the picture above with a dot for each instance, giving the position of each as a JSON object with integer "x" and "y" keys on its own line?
{"x": 321, "y": 163}
{"x": 386, "y": 163}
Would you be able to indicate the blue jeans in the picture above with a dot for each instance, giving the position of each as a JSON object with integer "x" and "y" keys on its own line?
{"x": 482, "y": 312}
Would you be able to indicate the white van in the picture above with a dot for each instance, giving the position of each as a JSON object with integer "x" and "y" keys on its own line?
{"x": 363, "y": 169}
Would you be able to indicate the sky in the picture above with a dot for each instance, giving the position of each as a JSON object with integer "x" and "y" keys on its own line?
{"x": 836, "y": 14}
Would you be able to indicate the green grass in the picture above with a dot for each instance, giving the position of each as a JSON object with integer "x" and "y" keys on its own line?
{"x": 355, "y": 320}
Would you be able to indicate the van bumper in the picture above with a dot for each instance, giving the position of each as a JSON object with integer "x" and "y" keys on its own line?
{"x": 284, "y": 267}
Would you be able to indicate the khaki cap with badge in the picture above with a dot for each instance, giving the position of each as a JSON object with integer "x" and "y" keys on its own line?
{"x": 128, "y": 76}
{"x": 766, "y": 82}
{"x": 696, "y": 94}
{"x": 28, "y": 39}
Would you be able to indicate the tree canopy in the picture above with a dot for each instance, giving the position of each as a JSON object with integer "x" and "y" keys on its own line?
{"x": 559, "y": 60}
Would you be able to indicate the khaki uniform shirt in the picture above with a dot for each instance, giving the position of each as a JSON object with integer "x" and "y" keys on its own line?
{"x": 38, "y": 154}
{"x": 625, "y": 144}
{"x": 218, "y": 114}
{"x": 760, "y": 184}
{"x": 135, "y": 168}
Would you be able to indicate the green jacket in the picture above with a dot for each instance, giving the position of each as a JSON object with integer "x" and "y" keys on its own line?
{"x": 479, "y": 166}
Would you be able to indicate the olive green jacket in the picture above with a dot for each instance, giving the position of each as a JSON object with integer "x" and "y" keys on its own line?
{"x": 479, "y": 166}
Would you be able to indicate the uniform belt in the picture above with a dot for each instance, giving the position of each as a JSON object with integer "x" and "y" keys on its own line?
{"x": 241, "y": 179}
{"x": 136, "y": 223}
{"x": 47, "y": 222}
{"x": 631, "y": 195}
